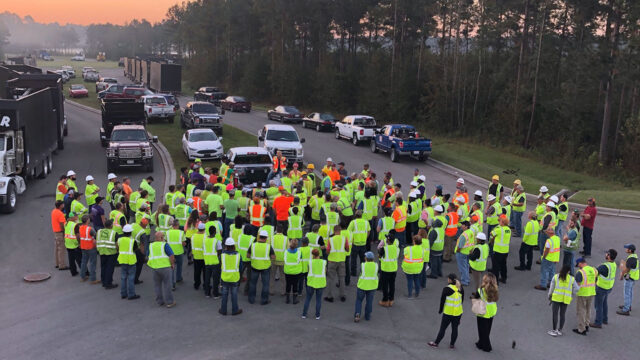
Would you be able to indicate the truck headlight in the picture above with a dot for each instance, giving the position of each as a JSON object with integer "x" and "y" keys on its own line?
{"x": 300, "y": 152}
{"x": 148, "y": 152}
{"x": 3, "y": 184}
{"x": 111, "y": 152}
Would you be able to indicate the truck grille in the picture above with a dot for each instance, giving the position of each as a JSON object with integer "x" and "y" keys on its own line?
{"x": 209, "y": 121}
{"x": 289, "y": 153}
{"x": 130, "y": 153}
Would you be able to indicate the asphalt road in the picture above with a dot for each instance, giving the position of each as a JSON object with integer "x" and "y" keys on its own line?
{"x": 65, "y": 318}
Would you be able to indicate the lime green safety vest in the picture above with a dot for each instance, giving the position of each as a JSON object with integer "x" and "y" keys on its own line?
{"x": 453, "y": 303}
{"x": 106, "y": 242}
{"x": 480, "y": 264}
{"x": 608, "y": 281}
{"x": 91, "y": 194}
{"x": 493, "y": 219}
{"x": 175, "y": 237}
{"x": 501, "y": 240}
{"x": 317, "y": 206}
{"x": 230, "y": 269}
{"x": 588, "y": 283}
{"x": 260, "y": 259}
{"x": 333, "y": 219}
{"x": 235, "y": 233}
{"x": 531, "y": 231}
{"x": 317, "y": 277}
{"x": 210, "y": 251}
{"x": 133, "y": 200}
{"x": 197, "y": 241}
{"x": 165, "y": 222}
{"x": 59, "y": 194}
{"x": 415, "y": 208}
{"x": 368, "y": 279}
{"x": 412, "y": 262}
{"x": 359, "y": 228}
{"x": 305, "y": 253}
{"x": 387, "y": 225}
{"x": 389, "y": 263}
{"x": 562, "y": 215}
{"x": 158, "y": 259}
{"x": 520, "y": 197}
{"x": 370, "y": 208}
{"x": 279, "y": 244}
{"x": 426, "y": 250}
{"x": 554, "y": 251}
{"x": 438, "y": 244}
{"x": 507, "y": 211}
{"x": 115, "y": 216}
{"x": 562, "y": 291}
{"x": 292, "y": 262}
{"x": 633, "y": 273}
{"x": 126, "y": 256}
{"x": 182, "y": 213}
{"x": 314, "y": 239}
{"x": 244, "y": 243}
{"x": 338, "y": 253}
{"x": 70, "y": 239}
{"x": 469, "y": 241}
{"x": 294, "y": 230}
{"x": 492, "y": 307}
{"x": 345, "y": 205}
{"x": 77, "y": 208}
{"x": 480, "y": 216}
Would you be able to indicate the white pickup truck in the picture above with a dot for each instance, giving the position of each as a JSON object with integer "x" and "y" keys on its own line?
{"x": 156, "y": 107}
{"x": 356, "y": 128}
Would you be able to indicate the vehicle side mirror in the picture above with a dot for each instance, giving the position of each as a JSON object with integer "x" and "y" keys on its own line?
{"x": 302, "y": 140}
{"x": 220, "y": 138}
{"x": 154, "y": 139}
{"x": 103, "y": 138}
{"x": 261, "y": 138}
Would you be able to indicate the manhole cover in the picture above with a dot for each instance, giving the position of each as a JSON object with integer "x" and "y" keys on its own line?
{"x": 36, "y": 277}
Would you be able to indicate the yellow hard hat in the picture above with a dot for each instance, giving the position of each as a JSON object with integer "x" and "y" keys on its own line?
{"x": 311, "y": 166}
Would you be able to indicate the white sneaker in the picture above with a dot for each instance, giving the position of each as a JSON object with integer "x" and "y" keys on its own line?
{"x": 304, "y": 316}
{"x": 317, "y": 317}
{"x": 552, "y": 333}
{"x": 558, "y": 332}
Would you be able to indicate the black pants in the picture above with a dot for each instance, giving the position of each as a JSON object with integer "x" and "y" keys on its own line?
{"x": 357, "y": 253}
{"x": 556, "y": 308}
{"x": 212, "y": 271}
{"x": 198, "y": 273}
{"x": 526, "y": 251}
{"x": 107, "y": 265}
{"x": 484, "y": 330}
{"x": 388, "y": 281}
{"x": 284, "y": 224}
{"x": 139, "y": 265}
{"x": 444, "y": 324}
{"x": 75, "y": 259}
{"x": 499, "y": 264}
{"x": 291, "y": 283}
{"x": 347, "y": 270}
{"x": 302, "y": 282}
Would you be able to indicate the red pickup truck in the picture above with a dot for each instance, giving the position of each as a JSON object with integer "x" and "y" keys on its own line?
{"x": 129, "y": 92}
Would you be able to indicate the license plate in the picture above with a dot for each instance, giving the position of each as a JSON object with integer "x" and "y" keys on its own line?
{"x": 253, "y": 171}
{"x": 129, "y": 162}
{"x": 416, "y": 152}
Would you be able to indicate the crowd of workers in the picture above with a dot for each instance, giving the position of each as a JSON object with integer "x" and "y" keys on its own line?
{"x": 320, "y": 229}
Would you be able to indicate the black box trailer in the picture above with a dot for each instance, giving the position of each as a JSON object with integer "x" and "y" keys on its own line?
{"x": 144, "y": 78}
{"x": 165, "y": 77}
{"x": 119, "y": 112}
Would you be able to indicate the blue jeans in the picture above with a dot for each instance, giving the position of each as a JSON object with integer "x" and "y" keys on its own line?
{"x": 89, "y": 259}
{"x": 568, "y": 258}
{"x": 517, "y": 222}
{"x": 226, "y": 226}
{"x": 489, "y": 229}
{"x": 253, "y": 285}
{"x": 176, "y": 274}
{"x": 586, "y": 238}
{"x": 436, "y": 265}
{"x": 229, "y": 287}
{"x": 401, "y": 237}
{"x": 413, "y": 280}
{"x": 463, "y": 267}
{"x": 127, "y": 276}
{"x": 423, "y": 275}
{"x": 601, "y": 305}
{"x": 559, "y": 228}
{"x": 628, "y": 294}
{"x": 307, "y": 300}
{"x": 547, "y": 270}
{"x": 542, "y": 239}
{"x": 360, "y": 295}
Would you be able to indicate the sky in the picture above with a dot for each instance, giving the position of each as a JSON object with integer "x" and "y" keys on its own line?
{"x": 85, "y": 12}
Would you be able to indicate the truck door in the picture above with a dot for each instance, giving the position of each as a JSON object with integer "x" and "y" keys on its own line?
{"x": 18, "y": 147}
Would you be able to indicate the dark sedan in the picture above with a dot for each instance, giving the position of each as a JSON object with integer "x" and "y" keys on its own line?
{"x": 285, "y": 113}
{"x": 235, "y": 103}
{"x": 319, "y": 121}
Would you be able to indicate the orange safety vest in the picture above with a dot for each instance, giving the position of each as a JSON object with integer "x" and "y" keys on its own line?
{"x": 452, "y": 227}
{"x": 87, "y": 242}
{"x": 387, "y": 203}
{"x": 282, "y": 164}
{"x": 464, "y": 195}
{"x": 257, "y": 215}
{"x": 197, "y": 203}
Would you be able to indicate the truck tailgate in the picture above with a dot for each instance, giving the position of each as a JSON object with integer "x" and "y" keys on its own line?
{"x": 414, "y": 144}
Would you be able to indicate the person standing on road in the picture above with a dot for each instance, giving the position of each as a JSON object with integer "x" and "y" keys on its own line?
{"x": 436, "y": 239}
{"x": 550, "y": 258}
{"x": 106, "y": 244}
{"x": 316, "y": 282}
{"x": 177, "y": 240}
{"x": 412, "y": 263}
{"x": 367, "y": 285}
{"x": 197, "y": 241}
{"x": 586, "y": 280}
{"x": 112, "y": 180}
{"x": 91, "y": 192}
{"x": 587, "y": 219}
{"x": 71, "y": 181}
{"x": 146, "y": 185}
{"x": 230, "y": 276}
{"x": 561, "y": 290}
{"x": 388, "y": 255}
{"x": 570, "y": 244}
{"x": 162, "y": 261}
{"x": 261, "y": 254}
{"x": 292, "y": 270}
{"x": 629, "y": 272}
{"x": 451, "y": 232}
{"x": 61, "y": 188}
{"x": 478, "y": 259}
{"x": 465, "y": 242}
{"x": 518, "y": 207}
{"x": 487, "y": 292}
{"x": 337, "y": 250}
{"x": 563, "y": 214}
{"x": 529, "y": 241}
{"x": 71, "y": 243}
{"x": 604, "y": 284}
{"x": 127, "y": 260}
{"x": 496, "y": 189}
{"x": 57, "y": 225}
{"x": 492, "y": 212}
{"x": 89, "y": 252}
{"x": 500, "y": 238}
{"x": 451, "y": 310}
{"x": 211, "y": 245}
{"x": 360, "y": 229}
{"x": 400, "y": 217}
{"x": 97, "y": 214}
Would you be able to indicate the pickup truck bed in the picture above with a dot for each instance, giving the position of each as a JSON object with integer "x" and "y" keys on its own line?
{"x": 401, "y": 140}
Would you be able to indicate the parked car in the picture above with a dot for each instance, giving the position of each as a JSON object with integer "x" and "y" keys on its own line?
{"x": 252, "y": 165}
{"x": 112, "y": 88}
{"x": 202, "y": 144}
{"x": 69, "y": 70}
{"x": 200, "y": 114}
{"x": 356, "y": 128}
{"x": 47, "y": 58}
{"x": 285, "y": 113}
{"x": 274, "y": 137}
{"x": 101, "y": 84}
{"x": 63, "y": 74}
{"x": 87, "y": 68}
{"x": 210, "y": 94}
{"x": 156, "y": 107}
{"x": 78, "y": 57}
{"x": 235, "y": 103}
{"x": 172, "y": 100}
{"x": 401, "y": 140}
{"x": 319, "y": 121}
{"x": 91, "y": 76}
{"x": 76, "y": 91}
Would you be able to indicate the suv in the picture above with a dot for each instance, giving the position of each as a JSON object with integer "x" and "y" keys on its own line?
{"x": 130, "y": 146}
{"x": 157, "y": 107}
{"x": 104, "y": 82}
{"x": 252, "y": 165}
{"x": 200, "y": 114}
{"x": 274, "y": 137}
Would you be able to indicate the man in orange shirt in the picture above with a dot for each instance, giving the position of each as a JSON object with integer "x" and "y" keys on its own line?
{"x": 334, "y": 175}
{"x": 57, "y": 225}
{"x": 126, "y": 186}
{"x": 400, "y": 217}
{"x": 281, "y": 205}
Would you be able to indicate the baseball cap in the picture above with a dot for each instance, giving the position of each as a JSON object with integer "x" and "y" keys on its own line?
{"x": 229, "y": 242}
{"x": 580, "y": 260}
{"x": 111, "y": 176}
{"x": 630, "y": 247}
{"x": 460, "y": 180}
{"x": 481, "y": 236}
{"x": 127, "y": 228}
{"x": 89, "y": 178}
{"x": 543, "y": 188}
{"x": 368, "y": 255}
{"x": 439, "y": 187}
{"x": 71, "y": 173}
{"x": 264, "y": 233}
{"x": 491, "y": 197}
{"x": 201, "y": 226}
{"x": 495, "y": 177}
{"x": 438, "y": 208}
{"x": 478, "y": 193}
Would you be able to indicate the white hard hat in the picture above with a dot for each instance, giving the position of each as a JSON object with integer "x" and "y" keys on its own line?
{"x": 554, "y": 199}
{"x": 127, "y": 228}
{"x": 461, "y": 180}
{"x": 143, "y": 206}
{"x": 414, "y": 194}
{"x": 543, "y": 188}
{"x": 89, "y": 178}
{"x": 478, "y": 193}
{"x": 422, "y": 177}
{"x": 111, "y": 176}
{"x": 438, "y": 208}
{"x": 329, "y": 159}
{"x": 201, "y": 226}
{"x": 414, "y": 183}
{"x": 71, "y": 173}
{"x": 551, "y": 204}
{"x": 189, "y": 201}
{"x": 481, "y": 236}
{"x": 491, "y": 197}
{"x": 264, "y": 233}
{"x": 508, "y": 199}
{"x": 229, "y": 242}
{"x": 460, "y": 199}
{"x": 435, "y": 201}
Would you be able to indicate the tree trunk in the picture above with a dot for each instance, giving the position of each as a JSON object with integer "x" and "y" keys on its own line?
{"x": 527, "y": 140}
{"x": 603, "y": 155}
{"x": 523, "y": 39}
{"x": 618, "y": 124}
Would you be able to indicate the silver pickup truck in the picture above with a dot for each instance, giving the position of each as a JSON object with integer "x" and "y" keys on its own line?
{"x": 157, "y": 107}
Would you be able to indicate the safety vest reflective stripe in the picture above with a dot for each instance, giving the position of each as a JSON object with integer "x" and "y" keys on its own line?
{"x": 320, "y": 275}
{"x": 411, "y": 259}
{"x": 130, "y": 250}
{"x": 224, "y": 263}
{"x": 175, "y": 240}
{"x": 257, "y": 215}
{"x": 362, "y": 272}
{"x": 295, "y": 227}
{"x": 337, "y": 249}
{"x": 255, "y": 256}
{"x": 109, "y": 242}
{"x": 289, "y": 261}
{"x": 212, "y": 251}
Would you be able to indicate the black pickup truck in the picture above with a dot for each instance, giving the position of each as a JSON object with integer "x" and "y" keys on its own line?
{"x": 211, "y": 94}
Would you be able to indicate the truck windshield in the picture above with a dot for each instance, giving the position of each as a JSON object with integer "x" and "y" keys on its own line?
{"x": 203, "y": 136}
{"x": 205, "y": 108}
{"x": 252, "y": 159}
{"x": 129, "y": 135}
{"x": 282, "y": 135}
{"x": 364, "y": 121}
{"x": 157, "y": 101}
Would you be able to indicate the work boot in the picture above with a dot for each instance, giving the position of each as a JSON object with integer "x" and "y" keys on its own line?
{"x": 622, "y": 312}
{"x": 295, "y": 299}
{"x": 383, "y": 303}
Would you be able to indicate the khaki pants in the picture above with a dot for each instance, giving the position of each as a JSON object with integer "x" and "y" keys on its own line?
{"x": 59, "y": 250}
{"x": 449, "y": 245}
{"x": 335, "y": 274}
{"x": 584, "y": 304}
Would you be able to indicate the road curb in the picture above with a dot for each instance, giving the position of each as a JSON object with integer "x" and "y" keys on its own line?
{"x": 165, "y": 157}
{"x": 479, "y": 181}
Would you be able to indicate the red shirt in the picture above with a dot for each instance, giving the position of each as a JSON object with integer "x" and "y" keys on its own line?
{"x": 57, "y": 217}
{"x": 590, "y": 210}
{"x": 281, "y": 205}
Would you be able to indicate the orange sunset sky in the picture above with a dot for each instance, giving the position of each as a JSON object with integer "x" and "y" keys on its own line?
{"x": 84, "y": 12}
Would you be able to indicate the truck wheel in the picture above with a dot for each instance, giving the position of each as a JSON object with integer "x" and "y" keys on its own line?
{"x": 50, "y": 163}
{"x": 171, "y": 120}
{"x": 374, "y": 149}
{"x": 338, "y": 134}
{"x": 394, "y": 155}
{"x": 12, "y": 199}
{"x": 354, "y": 139}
